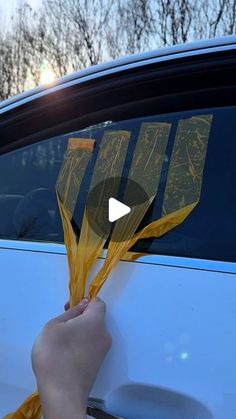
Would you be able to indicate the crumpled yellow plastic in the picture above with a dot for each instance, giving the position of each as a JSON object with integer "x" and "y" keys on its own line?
{"x": 30, "y": 409}
{"x": 117, "y": 250}
{"x": 109, "y": 165}
{"x": 90, "y": 245}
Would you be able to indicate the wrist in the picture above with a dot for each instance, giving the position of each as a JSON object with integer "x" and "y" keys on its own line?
{"x": 62, "y": 403}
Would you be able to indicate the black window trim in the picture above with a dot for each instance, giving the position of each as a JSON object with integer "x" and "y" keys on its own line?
{"x": 188, "y": 84}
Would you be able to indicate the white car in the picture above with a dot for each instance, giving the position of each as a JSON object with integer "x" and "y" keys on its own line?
{"x": 172, "y": 312}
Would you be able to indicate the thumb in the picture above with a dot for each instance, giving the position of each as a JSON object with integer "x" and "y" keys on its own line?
{"x": 73, "y": 312}
{"x": 95, "y": 307}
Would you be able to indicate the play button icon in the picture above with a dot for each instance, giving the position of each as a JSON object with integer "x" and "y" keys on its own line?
{"x": 110, "y": 200}
{"x": 117, "y": 210}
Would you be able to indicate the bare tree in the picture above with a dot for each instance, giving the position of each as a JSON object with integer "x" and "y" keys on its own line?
{"x": 173, "y": 20}
{"x": 68, "y": 35}
{"x": 16, "y": 58}
{"x": 211, "y": 16}
{"x": 131, "y": 28}
{"x": 71, "y": 33}
{"x": 229, "y": 18}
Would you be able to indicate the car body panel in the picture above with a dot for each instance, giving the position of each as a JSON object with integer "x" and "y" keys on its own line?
{"x": 172, "y": 327}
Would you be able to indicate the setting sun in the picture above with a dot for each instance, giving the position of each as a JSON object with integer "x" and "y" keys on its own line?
{"x": 47, "y": 76}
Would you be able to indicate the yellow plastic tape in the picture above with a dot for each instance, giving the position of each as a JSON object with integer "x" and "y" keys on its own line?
{"x": 79, "y": 152}
{"x": 30, "y": 409}
{"x": 116, "y": 250}
{"x": 109, "y": 164}
{"x": 187, "y": 163}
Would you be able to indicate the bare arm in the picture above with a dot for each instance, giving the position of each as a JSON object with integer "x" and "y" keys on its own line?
{"x": 66, "y": 357}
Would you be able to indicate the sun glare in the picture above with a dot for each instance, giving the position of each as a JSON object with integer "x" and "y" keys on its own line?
{"x": 47, "y": 76}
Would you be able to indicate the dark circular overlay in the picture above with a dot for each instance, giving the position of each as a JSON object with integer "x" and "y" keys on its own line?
{"x": 125, "y": 190}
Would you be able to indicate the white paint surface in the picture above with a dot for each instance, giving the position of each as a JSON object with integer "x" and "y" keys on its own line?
{"x": 173, "y": 329}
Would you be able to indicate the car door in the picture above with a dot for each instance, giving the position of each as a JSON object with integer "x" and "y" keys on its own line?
{"x": 171, "y": 312}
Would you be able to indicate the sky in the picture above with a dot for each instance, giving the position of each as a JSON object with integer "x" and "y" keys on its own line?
{"x": 7, "y": 9}
{"x": 9, "y": 5}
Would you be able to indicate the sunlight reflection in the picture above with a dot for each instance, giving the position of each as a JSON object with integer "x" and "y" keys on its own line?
{"x": 184, "y": 356}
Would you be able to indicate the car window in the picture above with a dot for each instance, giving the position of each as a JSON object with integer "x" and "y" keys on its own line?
{"x": 28, "y": 207}
{"x": 209, "y": 232}
{"x": 28, "y": 204}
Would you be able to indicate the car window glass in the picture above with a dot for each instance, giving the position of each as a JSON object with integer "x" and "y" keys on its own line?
{"x": 28, "y": 205}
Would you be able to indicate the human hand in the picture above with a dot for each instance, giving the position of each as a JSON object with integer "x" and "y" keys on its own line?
{"x": 66, "y": 357}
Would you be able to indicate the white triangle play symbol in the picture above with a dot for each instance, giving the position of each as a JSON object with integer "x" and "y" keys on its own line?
{"x": 116, "y": 209}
